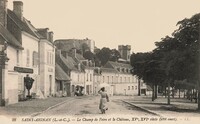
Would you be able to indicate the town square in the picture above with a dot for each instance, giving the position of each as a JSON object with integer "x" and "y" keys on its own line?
{"x": 73, "y": 61}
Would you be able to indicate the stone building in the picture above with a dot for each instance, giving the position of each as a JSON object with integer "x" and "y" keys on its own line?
{"x": 125, "y": 52}
{"x": 119, "y": 77}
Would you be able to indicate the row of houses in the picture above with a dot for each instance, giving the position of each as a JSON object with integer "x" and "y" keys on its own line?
{"x": 27, "y": 50}
{"x": 83, "y": 76}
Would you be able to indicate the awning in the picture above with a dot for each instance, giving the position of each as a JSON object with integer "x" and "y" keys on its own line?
{"x": 60, "y": 74}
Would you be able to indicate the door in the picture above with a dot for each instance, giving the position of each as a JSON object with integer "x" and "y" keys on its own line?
{"x": 68, "y": 89}
{"x": 50, "y": 87}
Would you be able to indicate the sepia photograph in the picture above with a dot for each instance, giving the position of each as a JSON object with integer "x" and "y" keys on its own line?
{"x": 99, "y": 61}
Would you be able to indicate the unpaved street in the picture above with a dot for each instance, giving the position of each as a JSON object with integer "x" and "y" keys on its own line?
{"x": 88, "y": 105}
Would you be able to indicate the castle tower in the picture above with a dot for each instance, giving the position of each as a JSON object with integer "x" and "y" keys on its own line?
{"x": 125, "y": 52}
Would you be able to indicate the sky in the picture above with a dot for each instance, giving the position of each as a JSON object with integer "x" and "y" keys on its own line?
{"x": 110, "y": 23}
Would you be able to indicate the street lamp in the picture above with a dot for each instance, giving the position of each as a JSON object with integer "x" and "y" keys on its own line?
{"x": 3, "y": 60}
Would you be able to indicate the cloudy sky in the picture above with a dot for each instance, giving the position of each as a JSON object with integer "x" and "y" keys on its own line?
{"x": 110, "y": 23}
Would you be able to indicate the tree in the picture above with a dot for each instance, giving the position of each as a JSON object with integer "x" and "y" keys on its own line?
{"x": 115, "y": 55}
{"x": 28, "y": 82}
{"x": 146, "y": 67}
{"x": 88, "y": 55}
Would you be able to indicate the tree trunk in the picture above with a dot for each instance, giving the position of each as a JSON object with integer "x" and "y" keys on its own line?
{"x": 184, "y": 94}
{"x": 196, "y": 97}
{"x": 139, "y": 88}
{"x": 156, "y": 91}
{"x": 179, "y": 93}
{"x": 165, "y": 92}
{"x": 153, "y": 92}
{"x": 191, "y": 95}
{"x": 168, "y": 99}
{"x": 198, "y": 100}
{"x": 173, "y": 92}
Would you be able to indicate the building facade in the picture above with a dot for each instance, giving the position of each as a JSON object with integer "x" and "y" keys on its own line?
{"x": 25, "y": 49}
{"x": 120, "y": 79}
{"x": 47, "y": 62}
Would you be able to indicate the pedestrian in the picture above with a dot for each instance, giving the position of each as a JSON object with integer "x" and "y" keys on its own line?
{"x": 103, "y": 100}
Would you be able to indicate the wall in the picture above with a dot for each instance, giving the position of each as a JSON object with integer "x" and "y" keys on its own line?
{"x": 12, "y": 87}
{"x": 47, "y": 67}
{"x": 121, "y": 83}
{"x": 11, "y": 78}
{"x": 12, "y": 55}
{"x": 30, "y": 43}
{"x": 89, "y": 81}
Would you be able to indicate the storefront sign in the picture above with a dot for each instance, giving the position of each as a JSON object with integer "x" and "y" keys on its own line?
{"x": 23, "y": 70}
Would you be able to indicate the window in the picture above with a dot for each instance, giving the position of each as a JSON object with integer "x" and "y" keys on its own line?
{"x": 90, "y": 77}
{"x": 87, "y": 76}
{"x": 103, "y": 79}
{"x": 47, "y": 57}
{"x": 112, "y": 79}
{"x": 108, "y": 79}
{"x": 61, "y": 85}
{"x": 136, "y": 87}
{"x": 35, "y": 59}
{"x": 17, "y": 57}
{"x": 27, "y": 58}
{"x": 132, "y": 87}
{"x": 128, "y": 87}
{"x": 52, "y": 59}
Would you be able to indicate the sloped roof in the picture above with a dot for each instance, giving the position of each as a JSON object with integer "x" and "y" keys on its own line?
{"x": 9, "y": 37}
{"x": 96, "y": 71}
{"x": 122, "y": 65}
{"x": 22, "y": 24}
{"x": 60, "y": 74}
{"x": 118, "y": 66}
{"x": 69, "y": 62}
{"x": 109, "y": 70}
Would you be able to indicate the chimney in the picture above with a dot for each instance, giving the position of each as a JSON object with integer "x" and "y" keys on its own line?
{"x": 51, "y": 36}
{"x": 18, "y": 9}
{"x": 3, "y": 13}
{"x": 44, "y": 32}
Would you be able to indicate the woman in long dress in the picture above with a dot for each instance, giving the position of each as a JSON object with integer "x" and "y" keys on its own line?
{"x": 103, "y": 100}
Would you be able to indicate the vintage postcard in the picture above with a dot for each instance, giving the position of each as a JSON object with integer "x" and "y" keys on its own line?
{"x": 99, "y": 61}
